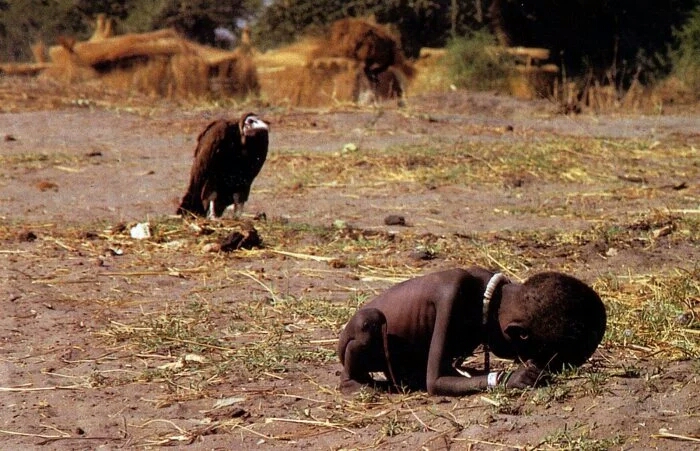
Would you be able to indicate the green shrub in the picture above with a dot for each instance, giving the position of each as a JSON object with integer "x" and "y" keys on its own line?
{"x": 686, "y": 58}
{"x": 475, "y": 64}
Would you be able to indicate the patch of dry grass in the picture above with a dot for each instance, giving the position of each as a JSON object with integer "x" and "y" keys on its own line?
{"x": 654, "y": 315}
{"x": 567, "y": 160}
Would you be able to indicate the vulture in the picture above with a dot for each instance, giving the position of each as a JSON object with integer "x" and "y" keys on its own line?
{"x": 227, "y": 158}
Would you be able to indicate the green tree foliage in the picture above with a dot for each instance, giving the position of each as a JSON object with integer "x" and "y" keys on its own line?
{"x": 474, "y": 64}
{"x": 3, "y": 7}
{"x": 117, "y": 9}
{"x": 23, "y": 22}
{"x": 197, "y": 19}
{"x": 686, "y": 56}
{"x": 420, "y": 22}
{"x": 284, "y": 21}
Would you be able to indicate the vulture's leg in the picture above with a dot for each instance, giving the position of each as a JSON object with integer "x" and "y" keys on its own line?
{"x": 239, "y": 199}
{"x": 211, "y": 213}
{"x": 238, "y": 209}
{"x": 210, "y": 196}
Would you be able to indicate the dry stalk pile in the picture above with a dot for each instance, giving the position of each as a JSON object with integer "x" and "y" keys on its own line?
{"x": 335, "y": 69}
{"x": 157, "y": 63}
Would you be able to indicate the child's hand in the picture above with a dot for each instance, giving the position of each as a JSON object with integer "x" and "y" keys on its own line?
{"x": 527, "y": 375}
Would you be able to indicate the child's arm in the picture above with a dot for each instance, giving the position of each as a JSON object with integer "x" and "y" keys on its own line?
{"x": 526, "y": 376}
{"x": 441, "y": 384}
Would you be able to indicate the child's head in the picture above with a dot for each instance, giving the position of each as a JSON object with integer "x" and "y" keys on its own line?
{"x": 554, "y": 319}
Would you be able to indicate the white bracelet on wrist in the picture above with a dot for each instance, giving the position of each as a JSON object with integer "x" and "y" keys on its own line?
{"x": 492, "y": 379}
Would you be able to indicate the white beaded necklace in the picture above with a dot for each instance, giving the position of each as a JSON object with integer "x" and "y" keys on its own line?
{"x": 491, "y": 286}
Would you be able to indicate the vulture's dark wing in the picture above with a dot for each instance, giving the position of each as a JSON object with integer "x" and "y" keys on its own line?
{"x": 205, "y": 132}
{"x": 216, "y": 147}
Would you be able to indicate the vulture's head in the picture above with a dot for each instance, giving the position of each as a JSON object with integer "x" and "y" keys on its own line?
{"x": 251, "y": 125}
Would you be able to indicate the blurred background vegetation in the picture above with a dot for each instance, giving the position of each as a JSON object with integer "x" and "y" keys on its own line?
{"x": 612, "y": 41}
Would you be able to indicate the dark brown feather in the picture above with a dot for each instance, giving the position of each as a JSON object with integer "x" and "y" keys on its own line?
{"x": 224, "y": 167}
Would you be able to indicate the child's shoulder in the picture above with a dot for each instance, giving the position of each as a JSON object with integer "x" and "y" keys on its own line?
{"x": 459, "y": 273}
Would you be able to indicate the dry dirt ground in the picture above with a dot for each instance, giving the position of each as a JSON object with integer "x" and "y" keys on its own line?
{"x": 112, "y": 342}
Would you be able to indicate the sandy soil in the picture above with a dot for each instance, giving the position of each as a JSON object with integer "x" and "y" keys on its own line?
{"x": 85, "y": 162}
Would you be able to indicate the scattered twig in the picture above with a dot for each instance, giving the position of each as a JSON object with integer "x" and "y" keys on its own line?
{"x": 259, "y": 434}
{"x": 161, "y": 420}
{"x": 287, "y": 395}
{"x": 58, "y": 242}
{"x": 311, "y": 422}
{"x": 324, "y": 341}
{"x": 425, "y": 426}
{"x": 196, "y": 343}
{"x": 274, "y": 376}
{"x": 317, "y": 258}
{"x": 382, "y": 279}
{"x": 488, "y": 400}
{"x": 175, "y": 272}
{"x": 55, "y": 281}
{"x": 25, "y": 434}
{"x": 55, "y": 387}
{"x": 259, "y": 282}
{"x": 663, "y": 433}
{"x": 500, "y": 445}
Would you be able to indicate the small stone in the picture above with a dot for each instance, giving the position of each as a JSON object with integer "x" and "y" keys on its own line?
{"x": 395, "y": 220}
{"x": 663, "y": 231}
{"x": 27, "y": 236}
{"x": 337, "y": 263}
{"x": 211, "y": 247}
{"x": 684, "y": 319}
{"x": 422, "y": 254}
{"x": 140, "y": 231}
{"x": 45, "y": 185}
{"x": 248, "y": 239}
{"x": 349, "y": 147}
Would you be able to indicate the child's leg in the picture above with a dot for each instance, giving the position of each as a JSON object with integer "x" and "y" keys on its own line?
{"x": 362, "y": 348}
